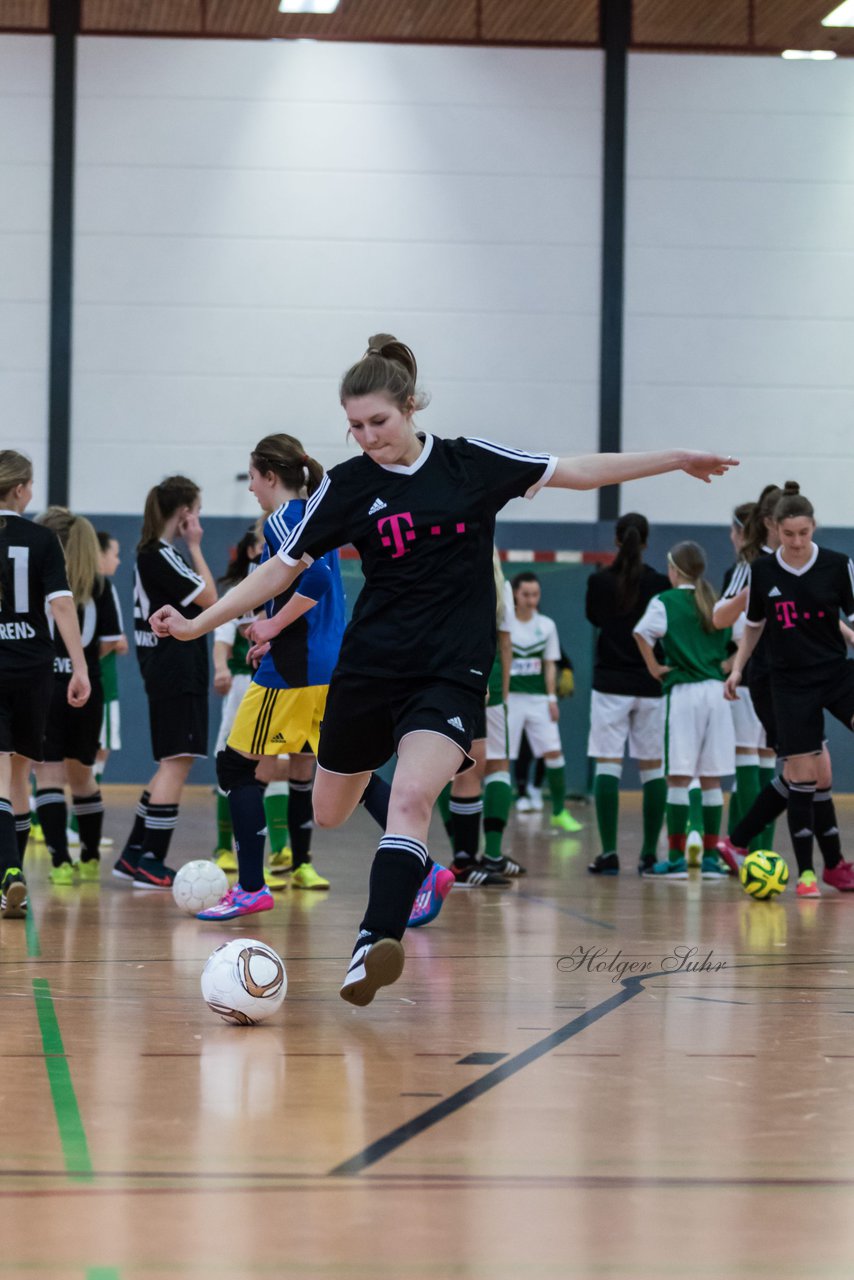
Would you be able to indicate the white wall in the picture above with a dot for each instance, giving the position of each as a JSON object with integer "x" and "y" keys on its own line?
{"x": 740, "y": 276}
{"x": 25, "y": 158}
{"x": 247, "y": 214}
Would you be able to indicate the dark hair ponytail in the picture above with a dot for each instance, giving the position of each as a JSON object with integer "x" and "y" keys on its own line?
{"x": 792, "y": 503}
{"x": 755, "y": 529}
{"x": 285, "y": 456}
{"x": 161, "y": 504}
{"x": 632, "y": 533}
{"x": 241, "y": 560}
{"x": 387, "y": 368}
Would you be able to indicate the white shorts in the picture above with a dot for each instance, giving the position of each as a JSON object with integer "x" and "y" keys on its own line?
{"x": 497, "y": 742}
{"x": 699, "y": 740}
{"x": 111, "y": 727}
{"x": 619, "y": 718}
{"x": 746, "y": 723}
{"x": 529, "y": 712}
{"x": 230, "y": 703}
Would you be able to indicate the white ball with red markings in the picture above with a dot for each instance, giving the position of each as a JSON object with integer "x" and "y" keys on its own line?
{"x": 198, "y": 885}
{"x": 244, "y": 981}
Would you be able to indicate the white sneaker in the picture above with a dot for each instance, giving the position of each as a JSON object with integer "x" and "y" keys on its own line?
{"x": 536, "y": 797}
{"x": 373, "y": 965}
{"x": 523, "y": 805}
{"x": 694, "y": 848}
{"x": 73, "y": 837}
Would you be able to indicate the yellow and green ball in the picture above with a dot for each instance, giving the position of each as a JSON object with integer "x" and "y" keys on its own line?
{"x": 764, "y": 874}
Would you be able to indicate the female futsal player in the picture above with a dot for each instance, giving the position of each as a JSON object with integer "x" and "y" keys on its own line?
{"x": 416, "y": 656}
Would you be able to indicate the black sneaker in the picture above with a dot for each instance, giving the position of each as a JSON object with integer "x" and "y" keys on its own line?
{"x": 473, "y": 875}
{"x": 605, "y": 864}
{"x": 125, "y": 867}
{"x": 504, "y": 866}
{"x": 151, "y": 873}
{"x": 13, "y": 895}
{"x": 646, "y": 864}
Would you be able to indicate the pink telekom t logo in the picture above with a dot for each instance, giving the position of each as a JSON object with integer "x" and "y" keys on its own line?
{"x": 786, "y": 613}
{"x": 399, "y": 532}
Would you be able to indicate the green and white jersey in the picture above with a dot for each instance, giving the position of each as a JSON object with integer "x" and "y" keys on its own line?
{"x": 534, "y": 643}
{"x": 495, "y": 687}
{"x": 692, "y": 653}
{"x": 229, "y": 633}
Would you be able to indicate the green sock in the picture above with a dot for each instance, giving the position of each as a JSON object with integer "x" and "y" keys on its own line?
{"x": 747, "y": 783}
{"x": 766, "y": 777}
{"x": 276, "y": 799}
{"x": 654, "y": 786}
{"x": 72, "y": 823}
{"x": 444, "y": 806}
{"x": 606, "y": 794}
{"x": 223, "y": 821}
{"x": 713, "y": 813}
{"x": 556, "y": 779}
{"x": 677, "y": 810}
{"x": 695, "y": 809}
{"x": 497, "y": 801}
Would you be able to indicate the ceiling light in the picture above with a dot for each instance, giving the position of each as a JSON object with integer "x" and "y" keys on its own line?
{"x": 841, "y": 16}
{"x": 308, "y": 6}
{"x": 812, "y": 55}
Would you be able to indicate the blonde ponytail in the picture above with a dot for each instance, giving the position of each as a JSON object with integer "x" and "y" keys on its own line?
{"x": 689, "y": 560}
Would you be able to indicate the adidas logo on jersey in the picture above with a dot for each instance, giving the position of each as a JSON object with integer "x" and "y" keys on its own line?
{"x": 279, "y": 738}
{"x": 379, "y": 505}
{"x": 456, "y": 723}
{"x": 775, "y": 591}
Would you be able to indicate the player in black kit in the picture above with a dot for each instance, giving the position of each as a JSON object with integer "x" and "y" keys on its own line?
{"x": 32, "y": 576}
{"x": 796, "y": 596}
{"x": 416, "y": 657}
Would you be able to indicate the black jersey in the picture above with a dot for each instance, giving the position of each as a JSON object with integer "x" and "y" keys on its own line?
{"x": 162, "y": 576}
{"x": 800, "y": 608}
{"x": 99, "y": 621}
{"x": 618, "y": 666}
{"x": 425, "y": 534}
{"x": 736, "y": 580}
{"x": 32, "y": 573}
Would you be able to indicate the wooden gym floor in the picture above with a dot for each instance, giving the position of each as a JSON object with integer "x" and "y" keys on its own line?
{"x": 500, "y": 1112}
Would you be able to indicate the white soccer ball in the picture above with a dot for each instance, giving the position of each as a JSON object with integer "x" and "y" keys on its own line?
{"x": 244, "y": 981}
{"x": 198, "y": 885}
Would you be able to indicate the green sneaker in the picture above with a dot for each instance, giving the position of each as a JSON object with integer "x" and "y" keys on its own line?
{"x": 667, "y": 870}
{"x": 13, "y": 895}
{"x": 564, "y": 821}
{"x": 63, "y": 874}
{"x": 282, "y": 862}
{"x": 89, "y": 869}
{"x": 305, "y": 877}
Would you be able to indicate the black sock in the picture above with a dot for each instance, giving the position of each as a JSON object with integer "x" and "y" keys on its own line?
{"x": 539, "y": 772}
{"x": 800, "y": 813}
{"x": 300, "y": 821}
{"x": 160, "y": 822}
{"x": 8, "y": 838}
{"x": 248, "y": 821}
{"x": 375, "y": 799}
{"x": 766, "y": 808}
{"x": 396, "y": 876}
{"x": 22, "y": 833}
{"x": 466, "y": 818}
{"x": 53, "y": 815}
{"x": 89, "y": 811}
{"x": 826, "y": 829}
{"x": 133, "y": 845}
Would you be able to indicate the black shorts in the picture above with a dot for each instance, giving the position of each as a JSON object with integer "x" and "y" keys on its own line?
{"x": 480, "y": 723}
{"x": 763, "y": 704}
{"x": 24, "y": 706}
{"x": 800, "y": 710}
{"x": 179, "y": 725}
{"x": 73, "y": 733}
{"x": 366, "y": 719}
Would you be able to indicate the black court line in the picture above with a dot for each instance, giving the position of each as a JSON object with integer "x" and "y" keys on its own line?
{"x": 390, "y": 1142}
{"x": 564, "y": 911}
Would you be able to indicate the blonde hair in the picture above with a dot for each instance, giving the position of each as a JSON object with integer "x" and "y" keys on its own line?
{"x": 15, "y": 469}
{"x": 689, "y": 559}
{"x": 82, "y": 550}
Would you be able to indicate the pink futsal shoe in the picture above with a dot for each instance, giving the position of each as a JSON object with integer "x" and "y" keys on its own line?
{"x": 433, "y": 892}
{"x": 731, "y": 854}
{"x": 237, "y": 902}
{"x": 840, "y": 877}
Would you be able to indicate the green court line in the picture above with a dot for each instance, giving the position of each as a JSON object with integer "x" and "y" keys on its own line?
{"x": 34, "y": 949}
{"x": 72, "y": 1137}
{"x": 103, "y": 1273}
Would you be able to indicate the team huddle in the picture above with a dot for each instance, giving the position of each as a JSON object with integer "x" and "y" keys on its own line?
{"x": 337, "y": 701}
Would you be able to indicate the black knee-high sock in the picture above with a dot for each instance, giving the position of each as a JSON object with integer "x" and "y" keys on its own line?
{"x": 826, "y": 829}
{"x": 22, "y": 833}
{"x": 133, "y": 845}
{"x": 375, "y": 799}
{"x": 466, "y": 815}
{"x": 53, "y": 815}
{"x": 396, "y": 875}
{"x": 800, "y": 814}
{"x": 89, "y": 811}
{"x": 8, "y": 838}
{"x": 767, "y": 807}
{"x": 300, "y": 822}
{"x": 246, "y": 803}
{"x": 160, "y": 821}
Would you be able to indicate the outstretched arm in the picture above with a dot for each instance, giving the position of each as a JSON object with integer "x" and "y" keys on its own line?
{"x": 593, "y": 470}
{"x": 265, "y": 583}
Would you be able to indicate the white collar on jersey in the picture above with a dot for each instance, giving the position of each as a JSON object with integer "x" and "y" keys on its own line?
{"x": 803, "y": 569}
{"x": 9, "y": 513}
{"x": 686, "y": 586}
{"x": 400, "y": 470}
{"x": 767, "y": 551}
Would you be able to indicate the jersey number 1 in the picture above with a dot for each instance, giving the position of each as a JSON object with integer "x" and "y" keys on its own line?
{"x": 21, "y": 582}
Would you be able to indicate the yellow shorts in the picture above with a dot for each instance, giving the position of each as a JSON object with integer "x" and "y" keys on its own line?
{"x": 278, "y": 722}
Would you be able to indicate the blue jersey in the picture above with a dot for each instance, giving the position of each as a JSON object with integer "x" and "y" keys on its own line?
{"x": 306, "y": 652}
